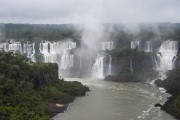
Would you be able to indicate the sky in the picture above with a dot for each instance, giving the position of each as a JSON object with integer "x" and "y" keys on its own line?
{"x": 80, "y": 11}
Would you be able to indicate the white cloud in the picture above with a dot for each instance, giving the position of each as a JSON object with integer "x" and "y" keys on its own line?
{"x": 68, "y": 11}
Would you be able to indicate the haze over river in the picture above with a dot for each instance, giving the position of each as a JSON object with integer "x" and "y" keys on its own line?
{"x": 116, "y": 101}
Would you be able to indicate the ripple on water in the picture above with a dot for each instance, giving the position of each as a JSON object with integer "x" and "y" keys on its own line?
{"x": 116, "y": 101}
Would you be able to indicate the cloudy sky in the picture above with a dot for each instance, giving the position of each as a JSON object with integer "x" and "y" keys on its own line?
{"x": 78, "y": 11}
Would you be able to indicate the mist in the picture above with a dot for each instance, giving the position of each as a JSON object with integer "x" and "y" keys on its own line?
{"x": 98, "y": 21}
{"x": 49, "y": 47}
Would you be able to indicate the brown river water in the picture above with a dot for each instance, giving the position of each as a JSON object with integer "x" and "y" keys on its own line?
{"x": 116, "y": 101}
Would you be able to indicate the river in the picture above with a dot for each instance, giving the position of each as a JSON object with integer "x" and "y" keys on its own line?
{"x": 116, "y": 101}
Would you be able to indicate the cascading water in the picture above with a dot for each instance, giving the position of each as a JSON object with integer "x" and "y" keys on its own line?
{"x": 148, "y": 46}
{"x": 29, "y": 50}
{"x": 166, "y": 55}
{"x": 98, "y": 67}
{"x": 53, "y": 52}
{"x": 66, "y": 61}
{"x": 110, "y": 66}
{"x": 58, "y": 52}
{"x": 23, "y": 48}
{"x": 107, "y": 45}
{"x": 135, "y": 44}
{"x": 15, "y": 46}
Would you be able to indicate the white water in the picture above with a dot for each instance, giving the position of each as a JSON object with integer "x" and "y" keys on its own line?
{"x": 56, "y": 47}
{"x": 98, "y": 67}
{"x": 148, "y": 46}
{"x": 110, "y": 66}
{"x": 166, "y": 55}
{"x": 107, "y": 45}
{"x": 53, "y": 52}
{"x": 58, "y": 52}
{"x": 131, "y": 66}
{"x": 67, "y": 61}
{"x": 23, "y": 48}
{"x": 135, "y": 44}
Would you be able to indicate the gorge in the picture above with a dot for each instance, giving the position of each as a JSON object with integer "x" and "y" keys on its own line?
{"x": 89, "y": 60}
{"x": 127, "y": 61}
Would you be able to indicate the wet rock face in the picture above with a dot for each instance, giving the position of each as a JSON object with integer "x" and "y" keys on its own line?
{"x": 172, "y": 86}
{"x": 172, "y": 106}
{"x": 158, "y": 105}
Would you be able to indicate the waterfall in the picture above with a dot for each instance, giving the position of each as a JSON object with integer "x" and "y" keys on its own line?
{"x": 98, "y": 67}
{"x": 131, "y": 66}
{"x": 67, "y": 61}
{"x": 154, "y": 63}
{"x": 48, "y": 56}
{"x": 14, "y": 47}
{"x": 166, "y": 55}
{"x": 24, "y": 48}
{"x": 135, "y": 44}
{"x": 58, "y": 52}
{"x": 110, "y": 66}
{"x": 53, "y": 52}
{"x": 148, "y": 46}
{"x": 107, "y": 45}
{"x": 29, "y": 50}
{"x": 43, "y": 48}
{"x": 61, "y": 47}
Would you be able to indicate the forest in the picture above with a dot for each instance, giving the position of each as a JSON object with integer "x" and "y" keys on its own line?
{"x": 27, "y": 89}
{"x": 116, "y": 32}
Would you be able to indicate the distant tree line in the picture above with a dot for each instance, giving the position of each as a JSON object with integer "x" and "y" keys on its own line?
{"x": 34, "y": 32}
{"x": 116, "y": 32}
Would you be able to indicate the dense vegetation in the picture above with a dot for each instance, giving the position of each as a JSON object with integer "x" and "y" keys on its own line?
{"x": 28, "y": 32}
{"x": 26, "y": 88}
{"x": 120, "y": 33}
{"x": 172, "y": 85}
{"x": 131, "y": 65}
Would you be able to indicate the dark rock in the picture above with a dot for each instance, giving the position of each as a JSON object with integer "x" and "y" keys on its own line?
{"x": 66, "y": 100}
{"x": 85, "y": 89}
{"x": 109, "y": 78}
{"x": 172, "y": 106}
{"x": 172, "y": 86}
{"x": 55, "y": 109}
{"x": 158, "y": 105}
{"x": 159, "y": 83}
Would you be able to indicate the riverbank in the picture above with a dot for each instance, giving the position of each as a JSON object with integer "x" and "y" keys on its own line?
{"x": 62, "y": 94}
{"x": 172, "y": 86}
